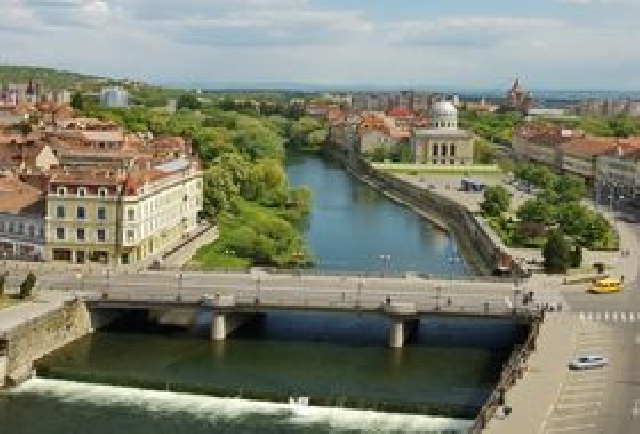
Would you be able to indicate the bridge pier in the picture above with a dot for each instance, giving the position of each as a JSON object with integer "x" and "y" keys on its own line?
{"x": 403, "y": 322}
{"x": 401, "y": 330}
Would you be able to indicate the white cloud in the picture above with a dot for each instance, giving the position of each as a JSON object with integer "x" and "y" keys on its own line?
{"x": 467, "y": 31}
{"x": 68, "y": 13}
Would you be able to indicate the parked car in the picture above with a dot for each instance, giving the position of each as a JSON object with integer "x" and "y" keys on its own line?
{"x": 588, "y": 362}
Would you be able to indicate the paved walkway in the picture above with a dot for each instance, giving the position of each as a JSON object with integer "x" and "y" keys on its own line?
{"x": 24, "y": 312}
{"x": 533, "y": 397}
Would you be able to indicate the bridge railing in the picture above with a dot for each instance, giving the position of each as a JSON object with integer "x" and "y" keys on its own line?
{"x": 266, "y": 300}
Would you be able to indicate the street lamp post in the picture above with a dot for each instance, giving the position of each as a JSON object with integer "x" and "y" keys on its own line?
{"x": 179, "y": 277}
{"x": 386, "y": 263}
{"x": 452, "y": 259}
{"x": 106, "y": 272}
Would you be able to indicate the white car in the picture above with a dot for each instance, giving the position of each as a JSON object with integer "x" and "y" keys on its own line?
{"x": 588, "y": 362}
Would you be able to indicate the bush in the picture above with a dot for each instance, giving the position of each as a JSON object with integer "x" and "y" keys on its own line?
{"x": 26, "y": 287}
{"x": 557, "y": 253}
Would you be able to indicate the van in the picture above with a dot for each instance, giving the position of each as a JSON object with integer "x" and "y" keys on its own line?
{"x": 607, "y": 285}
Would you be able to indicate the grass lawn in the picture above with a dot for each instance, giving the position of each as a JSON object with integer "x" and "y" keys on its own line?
{"x": 208, "y": 258}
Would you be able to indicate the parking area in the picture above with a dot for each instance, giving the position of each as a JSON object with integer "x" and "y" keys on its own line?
{"x": 587, "y": 396}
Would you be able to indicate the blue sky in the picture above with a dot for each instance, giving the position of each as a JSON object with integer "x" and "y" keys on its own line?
{"x": 550, "y": 44}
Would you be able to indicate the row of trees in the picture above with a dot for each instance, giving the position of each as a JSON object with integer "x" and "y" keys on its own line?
{"x": 554, "y": 218}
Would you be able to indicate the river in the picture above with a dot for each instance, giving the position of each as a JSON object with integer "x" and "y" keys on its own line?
{"x": 449, "y": 367}
{"x": 353, "y": 227}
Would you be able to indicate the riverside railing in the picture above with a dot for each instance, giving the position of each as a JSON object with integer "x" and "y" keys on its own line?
{"x": 514, "y": 369}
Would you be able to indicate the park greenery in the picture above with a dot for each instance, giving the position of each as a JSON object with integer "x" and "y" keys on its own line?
{"x": 246, "y": 191}
{"x": 555, "y": 208}
{"x": 492, "y": 127}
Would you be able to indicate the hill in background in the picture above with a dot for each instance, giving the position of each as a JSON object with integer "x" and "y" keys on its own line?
{"x": 47, "y": 77}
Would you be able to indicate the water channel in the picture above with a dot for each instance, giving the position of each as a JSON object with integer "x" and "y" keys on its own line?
{"x": 355, "y": 228}
{"x": 448, "y": 368}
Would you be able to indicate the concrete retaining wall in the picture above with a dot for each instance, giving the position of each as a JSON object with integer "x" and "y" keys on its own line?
{"x": 476, "y": 245}
{"x": 29, "y": 342}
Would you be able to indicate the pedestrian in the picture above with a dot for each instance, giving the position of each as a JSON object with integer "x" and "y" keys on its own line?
{"x": 388, "y": 299}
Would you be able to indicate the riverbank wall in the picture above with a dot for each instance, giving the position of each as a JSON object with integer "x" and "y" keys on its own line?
{"x": 36, "y": 337}
{"x": 478, "y": 247}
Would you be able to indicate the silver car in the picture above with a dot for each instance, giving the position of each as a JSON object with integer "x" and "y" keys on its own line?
{"x": 588, "y": 362}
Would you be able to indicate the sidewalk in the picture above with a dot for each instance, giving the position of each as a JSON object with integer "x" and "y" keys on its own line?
{"x": 533, "y": 397}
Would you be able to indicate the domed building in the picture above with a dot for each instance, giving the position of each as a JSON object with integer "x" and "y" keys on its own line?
{"x": 442, "y": 143}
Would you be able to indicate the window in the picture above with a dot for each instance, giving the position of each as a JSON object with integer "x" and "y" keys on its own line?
{"x": 60, "y": 233}
{"x": 80, "y": 234}
{"x": 131, "y": 214}
{"x": 452, "y": 161}
{"x": 435, "y": 150}
{"x": 444, "y": 150}
{"x": 80, "y": 213}
{"x": 82, "y": 192}
{"x": 60, "y": 212}
{"x": 452, "y": 150}
{"x": 12, "y": 227}
{"x": 130, "y": 235}
{"x": 443, "y": 161}
{"x": 21, "y": 228}
{"x": 102, "y": 192}
{"x": 1, "y": 226}
{"x": 102, "y": 235}
{"x": 61, "y": 191}
{"x": 31, "y": 231}
{"x": 102, "y": 213}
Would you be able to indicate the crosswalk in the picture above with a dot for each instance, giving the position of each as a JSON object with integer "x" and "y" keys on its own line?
{"x": 610, "y": 316}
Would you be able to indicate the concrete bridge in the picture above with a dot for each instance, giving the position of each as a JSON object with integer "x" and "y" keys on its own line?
{"x": 231, "y": 310}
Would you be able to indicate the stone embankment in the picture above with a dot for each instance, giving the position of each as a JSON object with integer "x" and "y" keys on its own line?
{"x": 480, "y": 249}
{"x": 29, "y": 337}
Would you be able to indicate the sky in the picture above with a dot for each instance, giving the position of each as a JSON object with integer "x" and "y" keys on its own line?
{"x": 472, "y": 44}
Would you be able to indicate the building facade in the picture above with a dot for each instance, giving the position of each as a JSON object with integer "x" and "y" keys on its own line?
{"x": 113, "y": 217}
{"x": 442, "y": 143}
{"x": 21, "y": 220}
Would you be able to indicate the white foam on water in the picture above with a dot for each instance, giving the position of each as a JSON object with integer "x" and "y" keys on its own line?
{"x": 213, "y": 408}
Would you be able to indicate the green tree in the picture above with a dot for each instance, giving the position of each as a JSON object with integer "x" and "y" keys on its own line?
{"x": 484, "y": 152}
{"x": 536, "y": 210}
{"x": 570, "y": 188}
{"x": 576, "y": 257}
{"x": 188, "y": 101}
{"x": 77, "y": 101}
{"x": 27, "y": 286}
{"x": 556, "y": 253}
{"x": 497, "y": 200}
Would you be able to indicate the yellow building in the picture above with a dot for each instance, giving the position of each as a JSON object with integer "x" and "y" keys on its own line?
{"x": 121, "y": 217}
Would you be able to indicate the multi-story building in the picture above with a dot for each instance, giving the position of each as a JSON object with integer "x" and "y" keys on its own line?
{"x": 121, "y": 217}
{"x": 115, "y": 97}
{"x": 443, "y": 143}
{"x": 620, "y": 169}
{"x": 21, "y": 220}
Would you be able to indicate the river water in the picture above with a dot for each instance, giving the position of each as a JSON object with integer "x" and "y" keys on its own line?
{"x": 172, "y": 375}
{"x": 352, "y": 225}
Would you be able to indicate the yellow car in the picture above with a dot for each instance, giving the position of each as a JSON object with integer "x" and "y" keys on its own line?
{"x": 606, "y": 285}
